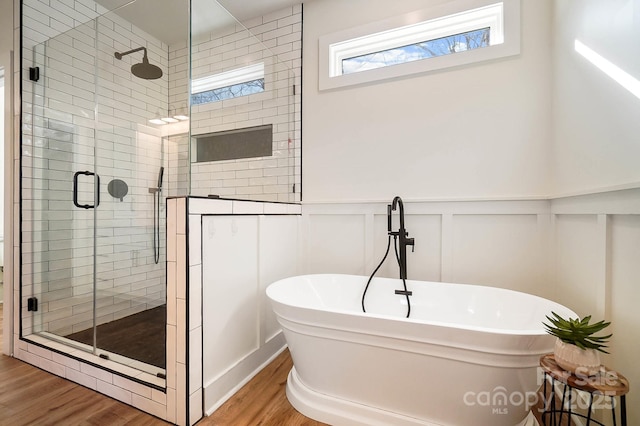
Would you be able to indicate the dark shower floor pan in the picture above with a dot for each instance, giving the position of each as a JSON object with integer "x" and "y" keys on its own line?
{"x": 141, "y": 336}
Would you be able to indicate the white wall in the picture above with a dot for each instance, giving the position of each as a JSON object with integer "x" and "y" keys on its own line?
{"x": 596, "y": 122}
{"x": 241, "y": 256}
{"x": 479, "y": 131}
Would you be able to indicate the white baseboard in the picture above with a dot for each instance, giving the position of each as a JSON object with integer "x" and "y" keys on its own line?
{"x": 223, "y": 387}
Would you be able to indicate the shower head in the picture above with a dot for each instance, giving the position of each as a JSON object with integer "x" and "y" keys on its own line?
{"x": 144, "y": 69}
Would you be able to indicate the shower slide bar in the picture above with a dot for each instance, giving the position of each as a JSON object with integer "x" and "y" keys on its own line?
{"x": 157, "y": 198}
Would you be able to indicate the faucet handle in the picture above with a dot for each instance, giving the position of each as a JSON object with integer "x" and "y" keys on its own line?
{"x": 411, "y": 242}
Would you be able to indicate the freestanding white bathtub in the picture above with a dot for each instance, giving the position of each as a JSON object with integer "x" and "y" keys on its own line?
{"x": 467, "y": 356}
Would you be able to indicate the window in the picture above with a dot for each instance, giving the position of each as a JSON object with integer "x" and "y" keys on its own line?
{"x": 450, "y": 35}
{"x": 414, "y": 52}
{"x": 226, "y": 85}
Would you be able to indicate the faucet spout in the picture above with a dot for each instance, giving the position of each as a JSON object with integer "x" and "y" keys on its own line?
{"x": 397, "y": 201}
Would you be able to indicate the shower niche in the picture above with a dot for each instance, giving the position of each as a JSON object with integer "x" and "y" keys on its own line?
{"x": 113, "y": 107}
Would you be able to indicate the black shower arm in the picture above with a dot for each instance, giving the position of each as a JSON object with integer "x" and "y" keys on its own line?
{"x": 120, "y": 55}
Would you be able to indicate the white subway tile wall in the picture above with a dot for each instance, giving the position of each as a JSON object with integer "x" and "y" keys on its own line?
{"x": 263, "y": 178}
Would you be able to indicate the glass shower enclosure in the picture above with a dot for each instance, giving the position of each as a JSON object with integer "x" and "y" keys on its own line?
{"x": 93, "y": 211}
{"x": 113, "y": 123}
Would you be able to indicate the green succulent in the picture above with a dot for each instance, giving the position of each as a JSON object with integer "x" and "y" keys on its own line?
{"x": 578, "y": 332}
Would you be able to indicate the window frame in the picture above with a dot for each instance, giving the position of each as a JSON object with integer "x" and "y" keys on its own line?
{"x": 443, "y": 20}
{"x": 413, "y": 45}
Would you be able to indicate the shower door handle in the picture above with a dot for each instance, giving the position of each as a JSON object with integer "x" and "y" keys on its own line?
{"x": 75, "y": 190}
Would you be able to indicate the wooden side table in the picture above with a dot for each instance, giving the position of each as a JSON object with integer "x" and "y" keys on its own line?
{"x": 607, "y": 383}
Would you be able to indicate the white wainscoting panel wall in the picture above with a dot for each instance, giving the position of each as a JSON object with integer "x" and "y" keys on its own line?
{"x": 499, "y": 250}
{"x": 496, "y": 243}
{"x": 427, "y": 230}
{"x": 244, "y": 247}
{"x": 597, "y": 243}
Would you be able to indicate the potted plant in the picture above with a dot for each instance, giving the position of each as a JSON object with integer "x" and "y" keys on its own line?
{"x": 577, "y": 350}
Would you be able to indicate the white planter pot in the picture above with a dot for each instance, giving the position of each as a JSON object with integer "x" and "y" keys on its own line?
{"x": 581, "y": 362}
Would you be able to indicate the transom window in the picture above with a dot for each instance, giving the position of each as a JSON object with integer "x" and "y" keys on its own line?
{"x": 446, "y": 36}
{"x": 227, "y": 85}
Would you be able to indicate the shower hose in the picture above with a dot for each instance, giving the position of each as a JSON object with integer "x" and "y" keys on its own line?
{"x": 402, "y": 274}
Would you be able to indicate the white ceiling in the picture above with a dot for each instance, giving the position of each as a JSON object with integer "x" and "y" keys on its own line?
{"x": 167, "y": 20}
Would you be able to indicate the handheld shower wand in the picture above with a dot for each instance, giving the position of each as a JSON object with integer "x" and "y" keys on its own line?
{"x": 160, "y": 175}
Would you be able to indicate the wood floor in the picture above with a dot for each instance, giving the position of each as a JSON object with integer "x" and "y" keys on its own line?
{"x": 30, "y": 396}
{"x": 262, "y": 401}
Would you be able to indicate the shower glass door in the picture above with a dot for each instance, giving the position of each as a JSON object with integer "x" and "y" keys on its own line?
{"x": 58, "y": 148}
{"x": 93, "y": 252}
